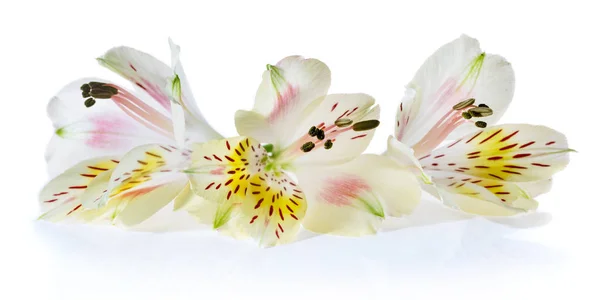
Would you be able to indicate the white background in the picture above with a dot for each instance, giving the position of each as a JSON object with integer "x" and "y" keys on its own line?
{"x": 371, "y": 47}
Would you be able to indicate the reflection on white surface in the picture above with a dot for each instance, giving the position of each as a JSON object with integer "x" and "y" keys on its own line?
{"x": 434, "y": 243}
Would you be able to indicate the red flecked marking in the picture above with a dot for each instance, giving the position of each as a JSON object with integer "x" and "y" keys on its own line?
{"x": 476, "y": 181}
{"x": 271, "y": 211}
{"x": 515, "y": 167}
{"x": 526, "y": 145}
{"x": 280, "y": 228}
{"x": 496, "y": 176}
{"x": 289, "y": 208}
{"x": 508, "y": 147}
{"x": 334, "y": 106}
{"x": 281, "y": 215}
{"x": 511, "y": 172}
{"x": 441, "y": 155}
{"x": 167, "y": 149}
{"x": 434, "y": 164}
{"x": 424, "y": 157}
{"x": 60, "y": 194}
{"x": 502, "y": 193}
{"x": 482, "y": 167}
{"x": 292, "y": 200}
{"x": 228, "y": 195}
{"x": 229, "y": 158}
{"x": 503, "y": 200}
{"x": 141, "y": 86}
{"x": 218, "y": 186}
{"x": 473, "y": 153}
{"x": 540, "y": 165}
{"x": 115, "y": 161}
{"x": 51, "y": 200}
{"x": 490, "y": 137}
{"x": 142, "y": 162}
{"x": 132, "y": 67}
{"x": 208, "y": 186}
{"x": 353, "y": 110}
{"x": 253, "y": 219}
{"x": 550, "y": 143}
{"x": 493, "y": 186}
{"x": 473, "y": 157}
{"x": 358, "y": 136}
{"x": 97, "y": 168}
{"x": 74, "y": 209}
{"x": 217, "y": 158}
{"x": 277, "y": 234}
{"x": 495, "y": 158}
{"x": 452, "y": 164}
{"x": 227, "y": 143}
{"x": 475, "y": 136}
{"x": 509, "y": 136}
{"x": 207, "y": 158}
{"x": 78, "y": 187}
{"x": 88, "y": 175}
{"x": 522, "y": 155}
{"x": 451, "y": 145}
{"x": 258, "y": 203}
{"x": 293, "y": 216}
{"x": 228, "y": 182}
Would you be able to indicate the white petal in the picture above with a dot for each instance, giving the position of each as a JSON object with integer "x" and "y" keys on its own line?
{"x": 106, "y": 128}
{"x": 404, "y": 156}
{"x": 353, "y": 198}
{"x": 512, "y": 152}
{"x": 457, "y": 71}
{"x": 476, "y": 206}
{"x": 287, "y": 89}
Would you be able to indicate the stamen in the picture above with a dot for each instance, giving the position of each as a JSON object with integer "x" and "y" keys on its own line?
{"x": 481, "y": 124}
{"x": 343, "y": 122}
{"x": 312, "y": 131}
{"x": 365, "y": 125}
{"x": 328, "y": 144}
{"x": 483, "y": 105}
{"x": 464, "y": 104}
{"x": 89, "y": 102}
{"x": 307, "y": 146}
{"x": 466, "y": 115}
{"x": 320, "y": 134}
{"x": 479, "y": 112}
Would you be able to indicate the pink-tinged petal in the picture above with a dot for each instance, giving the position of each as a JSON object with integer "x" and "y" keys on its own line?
{"x": 287, "y": 89}
{"x": 353, "y": 198}
{"x": 456, "y": 72}
{"x": 111, "y": 126}
{"x": 514, "y": 152}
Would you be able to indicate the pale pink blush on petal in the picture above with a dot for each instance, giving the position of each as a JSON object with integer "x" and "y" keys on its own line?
{"x": 284, "y": 102}
{"x": 105, "y": 129}
{"x": 342, "y": 190}
{"x": 218, "y": 171}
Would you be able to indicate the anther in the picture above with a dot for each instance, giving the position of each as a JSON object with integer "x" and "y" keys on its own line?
{"x": 479, "y": 112}
{"x": 481, "y": 124}
{"x": 320, "y": 134}
{"x": 466, "y": 115}
{"x": 464, "y": 104}
{"x": 307, "y": 146}
{"x": 98, "y": 90}
{"x": 483, "y": 105}
{"x": 343, "y": 122}
{"x": 365, "y": 125}
{"x": 312, "y": 131}
{"x": 328, "y": 144}
{"x": 89, "y": 102}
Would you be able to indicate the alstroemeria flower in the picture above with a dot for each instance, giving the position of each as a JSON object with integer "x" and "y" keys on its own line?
{"x": 119, "y": 153}
{"x": 457, "y": 93}
{"x": 298, "y": 163}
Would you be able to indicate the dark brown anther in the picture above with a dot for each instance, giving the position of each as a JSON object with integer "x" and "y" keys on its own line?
{"x": 312, "y": 131}
{"x": 365, "y": 125}
{"x": 466, "y": 115}
{"x": 479, "y": 112}
{"x": 463, "y": 104}
{"x": 481, "y": 124}
{"x": 320, "y": 134}
{"x": 328, "y": 144}
{"x": 89, "y": 102}
{"x": 483, "y": 105}
{"x": 307, "y": 146}
{"x": 343, "y": 122}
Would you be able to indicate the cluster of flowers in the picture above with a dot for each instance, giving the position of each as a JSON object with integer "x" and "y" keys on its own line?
{"x": 119, "y": 156}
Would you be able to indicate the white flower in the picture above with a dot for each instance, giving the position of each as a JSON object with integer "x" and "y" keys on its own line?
{"x": 457, "y": 93}
{"x": 117, "y": 153}
{"x": 296, "y": 162}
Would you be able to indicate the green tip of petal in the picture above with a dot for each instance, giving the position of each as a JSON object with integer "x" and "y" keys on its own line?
{"x": 268, "y": 147}
{"x": 60, "y": 132}
{"x": 269, "y": 67}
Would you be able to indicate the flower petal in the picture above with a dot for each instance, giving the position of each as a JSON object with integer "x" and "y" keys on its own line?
{"x": 287, "y": 89}
{"x": 61, "y": 197}
{"x": 352, "y": 199}
{"x": 266, "y": 205}
{"x": 404, "y": 156}
{"x": 457, "y": 71}
{"x": 109, "y": 127}
{"x": 513, "y": 152}
{"x": 146, "y": 179}
{"x": 499, "y": 192}
{"x": 476, "y": 206}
